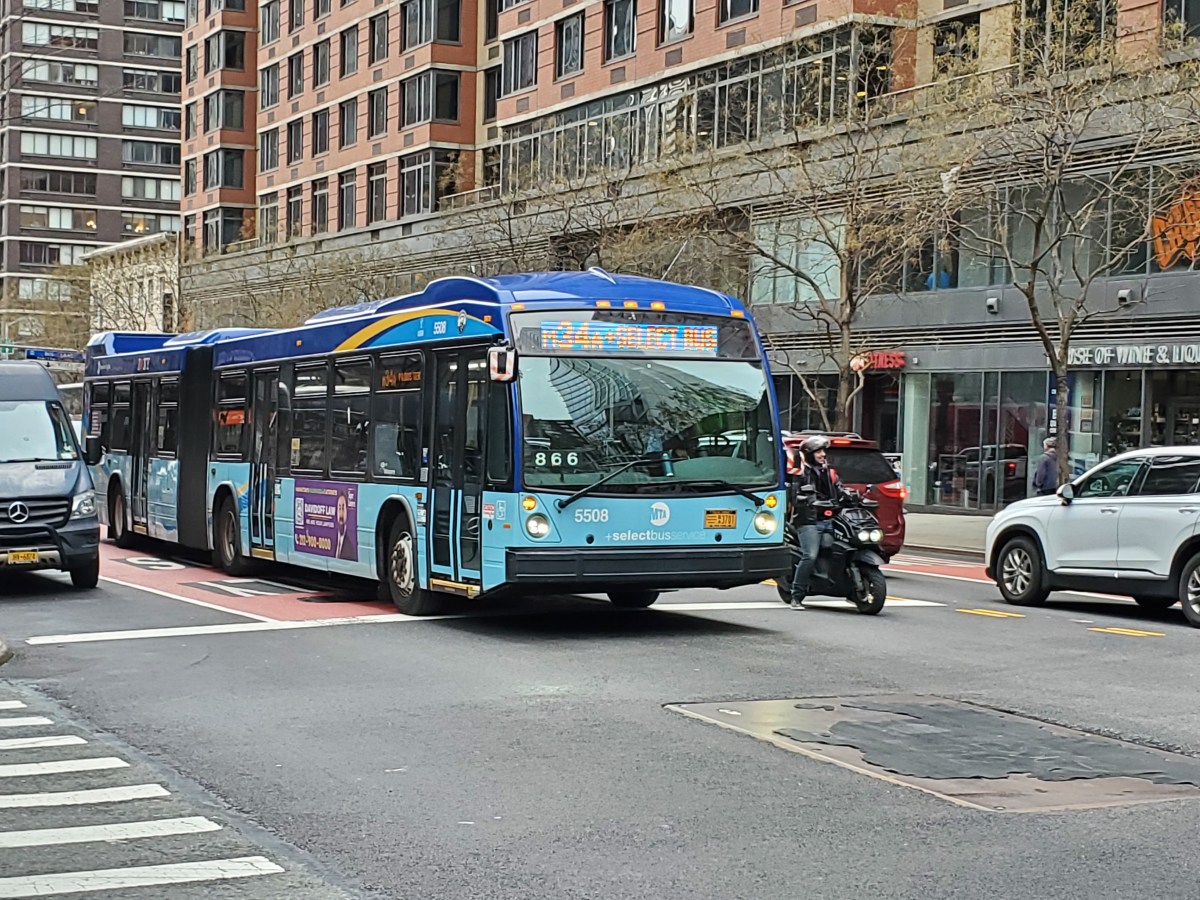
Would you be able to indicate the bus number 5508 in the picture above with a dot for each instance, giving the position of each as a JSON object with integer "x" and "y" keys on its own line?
{"x": 591, "y": 515}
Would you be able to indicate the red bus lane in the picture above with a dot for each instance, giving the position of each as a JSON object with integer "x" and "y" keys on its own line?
{"x": 271, "y": 596}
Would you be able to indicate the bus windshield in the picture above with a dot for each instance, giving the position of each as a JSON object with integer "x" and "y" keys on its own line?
{"x": 35, "y": 431}
{"x": 584, "y": 417}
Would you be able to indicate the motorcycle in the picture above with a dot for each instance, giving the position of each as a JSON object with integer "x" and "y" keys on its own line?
{"x": 848, "y": 564}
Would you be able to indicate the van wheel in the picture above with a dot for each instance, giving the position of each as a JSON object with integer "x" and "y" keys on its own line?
{"x": 118, "y": 527}
{"x": 632, "y": 599}
{"x": 1019, "y": 573}
{"x": 402, "y": 577}
{"x": 1189, "y": 591}
{"x": 229, "y": 540}
{"x": 86, "y": 576}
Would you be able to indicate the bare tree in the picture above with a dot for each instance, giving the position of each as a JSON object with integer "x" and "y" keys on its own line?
{"x": 1056, "y": 178}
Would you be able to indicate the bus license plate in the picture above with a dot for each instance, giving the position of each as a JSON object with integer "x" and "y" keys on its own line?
{"x": 720, "y": 518}
{"x": 18, "y": 557}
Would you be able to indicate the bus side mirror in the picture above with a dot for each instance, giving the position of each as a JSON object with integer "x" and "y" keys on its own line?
{"x": 92, "y": 451}
{"x": 502, "y": 363}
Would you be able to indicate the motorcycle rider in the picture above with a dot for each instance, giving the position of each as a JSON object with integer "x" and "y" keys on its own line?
{"x": 813, "y": 470}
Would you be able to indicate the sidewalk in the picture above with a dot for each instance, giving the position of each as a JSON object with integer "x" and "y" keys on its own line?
{"x": 941, "y": 532}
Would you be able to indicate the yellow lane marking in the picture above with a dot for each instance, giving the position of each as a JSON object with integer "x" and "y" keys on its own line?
{"x": 770, "y": 581}
{"x": 1129, "y": 632}
{"x": 993, "y": 613}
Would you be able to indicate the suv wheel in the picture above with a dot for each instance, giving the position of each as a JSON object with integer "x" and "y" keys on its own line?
{"x": 1189, "y": 591}
{"x": 1019, "y": 573}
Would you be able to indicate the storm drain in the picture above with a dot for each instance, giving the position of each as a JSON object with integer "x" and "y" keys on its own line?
{"x": 969, "y": 755}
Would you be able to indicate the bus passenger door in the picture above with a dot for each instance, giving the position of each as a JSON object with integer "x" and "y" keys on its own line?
{"x": 264, "y": 437}
{"x": 457, "y": 468}
{"x": 139, "y": 456}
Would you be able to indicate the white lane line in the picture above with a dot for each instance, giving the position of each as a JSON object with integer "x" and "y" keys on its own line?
{"x": 11, "y": 704}
{"x": 121, "y": 831}
{"x": 834, "y": 603}
{"x": 135, "y": 877}
{"x": 988, "y": 581}
{"x": 168, "y": 595}
{"x": 84, "y": 798}
{"x": 22, "y": 721}
{"x": 59, "y": 766}
{"x": 36, "y": 743}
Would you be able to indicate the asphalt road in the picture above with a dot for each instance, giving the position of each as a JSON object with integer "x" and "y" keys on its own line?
{"x": 531, "y": 754}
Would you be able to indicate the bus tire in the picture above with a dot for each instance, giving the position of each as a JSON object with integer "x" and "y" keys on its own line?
{"x": 118, "y": 524}
{"x": 632, "y": 599}
{"x": 227, "y": 540}
{"x": 400, "y": 573}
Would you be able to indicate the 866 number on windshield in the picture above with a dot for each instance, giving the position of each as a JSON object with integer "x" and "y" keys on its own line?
{"x": 554, "y": 460}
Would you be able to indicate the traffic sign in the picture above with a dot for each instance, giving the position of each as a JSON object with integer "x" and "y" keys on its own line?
{"x": 7, "y": 349}
{"x": 53, "y": 354}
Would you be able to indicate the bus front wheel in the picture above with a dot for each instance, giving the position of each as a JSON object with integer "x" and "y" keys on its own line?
{"x": 401, "y": 575}
{"x": 229, "y": 540}
{"x": 632, "y": 599}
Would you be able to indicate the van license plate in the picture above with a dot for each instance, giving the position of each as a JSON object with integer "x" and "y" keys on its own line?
{"x": 720, "y": 518}
{"x": 18, "y": 557}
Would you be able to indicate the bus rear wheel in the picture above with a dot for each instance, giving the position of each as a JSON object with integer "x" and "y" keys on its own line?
{"x": 229, "y": 540}
{"x": 118, "y": 525}
{"x": 632, "y": 599}
{"x": 401, "y": 574}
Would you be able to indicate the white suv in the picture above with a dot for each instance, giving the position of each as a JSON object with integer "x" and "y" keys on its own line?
{"x": 1129, "y": 526}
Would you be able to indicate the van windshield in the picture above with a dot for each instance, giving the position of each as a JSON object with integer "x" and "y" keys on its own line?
{"x": 35, "y": 431}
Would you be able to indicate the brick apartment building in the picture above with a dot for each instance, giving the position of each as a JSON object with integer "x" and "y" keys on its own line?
{"x": 90, "y": 129}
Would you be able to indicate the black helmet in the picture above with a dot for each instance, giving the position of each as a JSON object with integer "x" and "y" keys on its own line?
{"x": 812, "y": 445}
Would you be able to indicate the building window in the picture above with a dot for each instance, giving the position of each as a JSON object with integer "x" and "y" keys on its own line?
{"x": 214, "y": 6}
{"x": 347, "y": 201}
{"x": 321, "y": 8}
{"x": 320, "y": 206}
{"x": 491, "y": 93}
{"x": 431, "y": 96}
{"x": 295, "y": 75}
{"x": 376, "y": 193}
{"x": 379, "y": 39}
{"x": 491, "y": 23}
{"x": 620, "y": 28}
{"x": 736, "y": 9}
{"x": 377, "y": 110}
{"x": 162, "y": 118}
{"x": 150, "y": 153}
{"x": 67, "y": 146}
{"x": 151, "y": 81}
{"x": 268, "y": 150}
{"x": 348, "y": 123}
{"x": 60, "y": 218}
{"x": 42, "y": 254}
{"x": 520, "y": 62}
{"x": 1183, "y": 16}
{"x": 295, "y": 211}
{"x": 191, "y": 63}
{"x": 956, "y": 46}
{"x": 61, "y": 37}
{"x": 320, "y": 132}
{"x": 80, "y": 6}
{"x": 148, "y": 223}
{"x": 64, "y": 109}
{"x": 676, "y": 18}
{"x": 295, "y": 15}
{"x": 268, "y": 218}
{"x": 169, "y": 11}
{"x": 137, "y": 188}
{"x": 159, "y": 46}
{"x": 268, "y": 22}
{"x": 224, "y": 109}
{"x": 430, "y": 20}
{"x": 222, "y": 227}
{"x": 225, "y": 50}
{"x": 45, "y": 181}
{"x": 189, "y": 177}
{"x": 75, "y": 74}
{"x": 295, "y": 141}
{"x": 424, "y": 179}
{"x": 268, "y": 87}
{"x": 348, "y": 62}
{"x": 223, "y": 168}
{"x": 320, "y": 63}
{"x": 569, "y": 50}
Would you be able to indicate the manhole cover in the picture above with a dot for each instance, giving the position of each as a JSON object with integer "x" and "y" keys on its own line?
{"x": 966, "y": 754}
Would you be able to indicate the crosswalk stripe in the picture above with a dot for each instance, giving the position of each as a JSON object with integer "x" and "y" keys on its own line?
{"x": 37, "y": 743}
{"x": 121, "y": 831}
{"x": 59, "y": 766}
{"x": 22, "y": 721}
{"x": 83, "y": 798}
{"x": 11, "y": 704}
{"x": 135, "y": 876}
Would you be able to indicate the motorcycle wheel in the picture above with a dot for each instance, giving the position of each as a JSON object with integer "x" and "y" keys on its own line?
{"x": 876, "y": 585}
{"x": 783, "y": 586}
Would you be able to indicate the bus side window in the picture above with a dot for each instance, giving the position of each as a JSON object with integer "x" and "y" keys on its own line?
{"x": 396, "y": 416}
{"x": 349, "y": 412}
{"x": 122, "y": 416}
{"x": 499, "y": 434}
{"x": 310, "y": 411}
{"x": 231, "y": 416}
{"x": 98, "y": 412}
{"x": 167, "y": 432}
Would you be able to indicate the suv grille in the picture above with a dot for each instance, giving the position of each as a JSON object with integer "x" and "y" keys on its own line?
{"x": 52, "y": 512}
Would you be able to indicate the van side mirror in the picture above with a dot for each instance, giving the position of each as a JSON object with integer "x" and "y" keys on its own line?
{"x": 92, "y": 451}
{"x": 502, "y": 363}
{"x": 1066, "y": 493}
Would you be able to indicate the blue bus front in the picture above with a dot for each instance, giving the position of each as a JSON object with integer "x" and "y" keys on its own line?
{"x": 648, "y": 454}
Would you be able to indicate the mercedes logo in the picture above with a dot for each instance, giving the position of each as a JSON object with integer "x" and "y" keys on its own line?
{"x": 18, "y": 513}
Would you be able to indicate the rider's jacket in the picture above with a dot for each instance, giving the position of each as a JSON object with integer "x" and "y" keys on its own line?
{"x": 828, "y": 487}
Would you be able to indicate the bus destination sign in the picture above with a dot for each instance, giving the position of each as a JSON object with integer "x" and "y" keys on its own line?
{"x": 630, "y": 337}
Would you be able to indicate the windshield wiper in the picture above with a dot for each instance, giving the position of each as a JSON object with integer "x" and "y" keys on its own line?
{"x": 640, "y": 461}
{"x": 718, "y": 483}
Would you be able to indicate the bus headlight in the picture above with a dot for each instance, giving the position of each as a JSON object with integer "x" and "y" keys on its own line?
{"x": 764, "y": 523}
{"x": 84, "y": 505}
{"x": 537, "y": 526}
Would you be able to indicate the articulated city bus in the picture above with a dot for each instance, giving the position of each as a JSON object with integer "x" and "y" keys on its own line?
{"x": 575, "y": 432}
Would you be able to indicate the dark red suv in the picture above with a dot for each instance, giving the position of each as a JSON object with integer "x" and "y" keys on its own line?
{"x": 862, "y": 467}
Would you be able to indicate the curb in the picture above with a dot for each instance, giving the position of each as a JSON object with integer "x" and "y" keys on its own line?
{"x": 5, "y": 653}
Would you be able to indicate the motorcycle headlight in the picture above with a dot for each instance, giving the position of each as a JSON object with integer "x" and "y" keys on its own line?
{"x": 764, "y": 523}
{"x": 876, "y": 536}
{"x": 537, "y": 526}
{"x": 84, "y": 505}
{"x": 864, "y": 536}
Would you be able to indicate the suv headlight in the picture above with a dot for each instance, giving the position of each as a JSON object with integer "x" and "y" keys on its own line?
{"x": 764, "y": 523}
{"x": 84, "y": 505}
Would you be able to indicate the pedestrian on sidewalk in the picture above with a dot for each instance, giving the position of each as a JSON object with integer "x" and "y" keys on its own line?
{"x": 1045, "y": 479}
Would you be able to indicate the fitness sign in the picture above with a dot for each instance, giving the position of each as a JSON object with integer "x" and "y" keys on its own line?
{"x": 1135, "y": 355}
